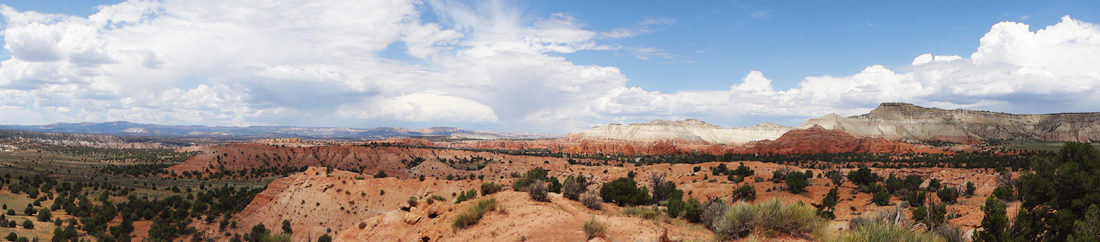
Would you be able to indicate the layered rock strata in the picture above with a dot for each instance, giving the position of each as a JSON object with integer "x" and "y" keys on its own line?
{"x": 690, "y": 130}
{"x": 911, "y": 123}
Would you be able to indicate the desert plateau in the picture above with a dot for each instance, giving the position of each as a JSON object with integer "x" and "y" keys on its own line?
{"x": 556, "y": 121}
{"x": 832, "y": 179}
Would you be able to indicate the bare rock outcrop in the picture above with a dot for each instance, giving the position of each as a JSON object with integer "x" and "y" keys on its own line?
{"x": 684, "y": 130}
{"x": 907, "y": 122}
{"x": 316, "y": 200}
{"x": 518, "y": 218}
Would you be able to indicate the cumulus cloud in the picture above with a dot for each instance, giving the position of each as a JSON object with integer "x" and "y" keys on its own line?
{"x": 290, "y": 62}
{"x": 1054, "y": 69}
{"x": 420, "y": 107}
{"x": 485, "y": 65}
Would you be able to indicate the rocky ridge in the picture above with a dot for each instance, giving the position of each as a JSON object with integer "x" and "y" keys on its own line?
{"x": 816, "y": 140}
{"x": 911, "y": 123}
{"x": 691, "y": 130}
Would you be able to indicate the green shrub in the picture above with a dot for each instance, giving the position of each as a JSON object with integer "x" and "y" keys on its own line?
{"x": 769, "y": 217}
{"x": 948, "y": 195}
{"x": 44, "y": 215}
{"x": 828, "y": 204}
{"x": 831, "y": 198}
{"x": 912, "y": 182}
{"x": 624, "y": 191}
{"x": 30, "y": 211}
{"x": 875, "y": 188}
{"x": 994, "y": 225}
{"x": 692, "y": 209}
{"x": 675, "y": 204}
{"x": 797, "y": 182}
{"x": 745, "y": 192}
{"x": 464, "y": 196}
{"x": 381, "y": 174}
{"x": 283, "y": 237}
{"x": 474, "y": 213}
{"x": 593, "y": 229}
{"x": 893, "y": 183}
{"x": 743, "y": 171}
{"x": 934, "y": 184}
{"x": 27, "y": 224}
{"x": 1057, "y": 193}
{"x": 488, "y": 188}
{"x": 324, "y": 238}
{"x": 535, "y": 175}
{"x": 592, "y": 200}
{"x": 574, "y": 186}
{"x": 538, "y": 192}
{"x": 12, "y": 236}
{"x": 863, "y": 176}
{"x": 1003, "y": 193}
{"x": 1086, "y": 229}
{"x": 719, "y": 170}
{"x": 555, "y": 185}
{"x": 881, "y": 198}
{"x": 835, "y": 177}
{"x": 735, "y": 178}
{"x": 970, "y": 188}
{"x": 917, "y": 199}
{"x": 936, "y": 215}
{"x": 778, "y": 176}
{"x": 920, "y": 213}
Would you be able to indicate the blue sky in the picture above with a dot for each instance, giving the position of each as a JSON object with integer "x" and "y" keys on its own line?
{"x": 544, "y": 66}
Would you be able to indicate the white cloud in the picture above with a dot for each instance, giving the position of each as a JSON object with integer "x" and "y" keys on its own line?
{"x": 420, "y": 107}
{"x": 648, "y": 53}
{"x": 1055, "y": 69}
{"x": 317, "y": 63}
{"x": 292, "y": 62}
{"x": 643, "y": 27}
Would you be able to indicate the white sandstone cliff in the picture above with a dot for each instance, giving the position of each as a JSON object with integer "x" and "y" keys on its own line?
{"x": 686, "y": 130}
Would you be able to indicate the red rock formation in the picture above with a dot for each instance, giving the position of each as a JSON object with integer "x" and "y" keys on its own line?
{"x": 819, "y": 140}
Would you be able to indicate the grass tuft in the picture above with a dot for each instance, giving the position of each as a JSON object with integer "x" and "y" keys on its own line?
{"x": 770, "y": 218}
{"x": 594, "y": 228}
{"x": 474, "y": 213}
{"x": 889, "y": 232}
{"x": 645, "y": 212}
{"x": 592, "y": 200}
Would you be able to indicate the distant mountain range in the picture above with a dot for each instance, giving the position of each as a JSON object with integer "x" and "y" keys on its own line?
{"x": 123, "y": 128}
{"x": 892, "y": 121}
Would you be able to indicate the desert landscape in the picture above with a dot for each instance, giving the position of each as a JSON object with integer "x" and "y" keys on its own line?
{"x": 924, "y": 174}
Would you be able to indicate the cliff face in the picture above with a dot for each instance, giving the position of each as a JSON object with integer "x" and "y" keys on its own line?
{"x": 684, "y": 130}
{"x": 907, "y": 122}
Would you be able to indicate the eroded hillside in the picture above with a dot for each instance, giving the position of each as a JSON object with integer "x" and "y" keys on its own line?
{"x": 907, "y": 122}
